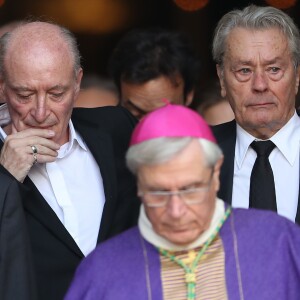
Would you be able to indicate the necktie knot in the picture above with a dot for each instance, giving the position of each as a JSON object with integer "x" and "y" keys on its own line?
{"x": 263, "y": 148}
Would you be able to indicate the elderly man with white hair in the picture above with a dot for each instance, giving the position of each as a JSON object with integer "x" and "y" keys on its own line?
{"x": 189, "y": 244}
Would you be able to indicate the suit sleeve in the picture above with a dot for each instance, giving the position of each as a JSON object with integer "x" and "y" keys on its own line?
{"x": 16, "y": 268}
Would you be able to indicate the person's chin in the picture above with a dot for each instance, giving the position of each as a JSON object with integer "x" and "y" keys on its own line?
{"x": 257, "y": 119}
{"x": 182, "y": 237}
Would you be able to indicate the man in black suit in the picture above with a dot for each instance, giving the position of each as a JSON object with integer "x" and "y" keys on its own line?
{"x": 64, "y": 170}
{"x": 257, "y": 51}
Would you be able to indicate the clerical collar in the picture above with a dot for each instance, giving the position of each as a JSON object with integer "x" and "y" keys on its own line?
{"x": 153, "y": 238}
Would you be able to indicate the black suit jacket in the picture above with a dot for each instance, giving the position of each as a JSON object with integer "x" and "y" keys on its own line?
{"x": 226, "y": 138}
{"x": 106, "y": 131}
{"x": 17, "y": 279}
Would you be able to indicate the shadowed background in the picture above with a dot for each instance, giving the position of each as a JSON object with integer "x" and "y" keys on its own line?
{"x": 99, "y": 24}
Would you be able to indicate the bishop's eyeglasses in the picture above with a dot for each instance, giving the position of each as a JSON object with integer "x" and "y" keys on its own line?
{"x": 190, "y": 196}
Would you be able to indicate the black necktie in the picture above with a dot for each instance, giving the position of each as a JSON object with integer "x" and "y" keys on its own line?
{"x": 262, "y": 187}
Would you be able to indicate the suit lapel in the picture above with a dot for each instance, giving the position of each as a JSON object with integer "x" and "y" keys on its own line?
{"x": 35, "y": 205}
{"x": 226, "y": 138}
{"x": 100, "y": 145}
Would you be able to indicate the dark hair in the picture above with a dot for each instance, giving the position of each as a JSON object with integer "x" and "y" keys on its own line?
{"x": 145, "y": 54}
{"x": 209, "y": 95}
{"x": 93, "y": 80}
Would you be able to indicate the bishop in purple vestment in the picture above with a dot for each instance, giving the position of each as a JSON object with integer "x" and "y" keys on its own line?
{"x": 188, "y": 244}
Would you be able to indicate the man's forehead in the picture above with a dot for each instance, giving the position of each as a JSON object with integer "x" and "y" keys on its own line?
{"x": 37, "y": 48}
{"x": 36, "y": 39}
{"x": 35, "y": 30}
{"x": 249, "y": 36}
{"x": 33, "y": 61}
{"x": 244, "y": 44}
{"x": 30, "y": 74}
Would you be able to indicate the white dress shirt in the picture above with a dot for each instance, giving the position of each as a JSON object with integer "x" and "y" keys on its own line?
{"x": 284, "y": 160}
{"x": 72, "y": 186}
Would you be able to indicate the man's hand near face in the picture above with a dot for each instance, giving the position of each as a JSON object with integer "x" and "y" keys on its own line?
{"x": 17, "y": 154}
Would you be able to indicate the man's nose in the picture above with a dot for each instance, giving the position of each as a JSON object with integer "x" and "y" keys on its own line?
{"x": 41, "y": 111}
{"x": 176, "y": 207}
{"x": 259, "y": 81}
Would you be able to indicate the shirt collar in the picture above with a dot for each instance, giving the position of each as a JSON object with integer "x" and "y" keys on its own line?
{"x": 4, "y": 115}
{"x": 63, "y": 151}
{"x": 73, "y": 137}
{"x": 286, "y": 140}
{"x": 4, "y": 120}
{"x": 243, "y": 141}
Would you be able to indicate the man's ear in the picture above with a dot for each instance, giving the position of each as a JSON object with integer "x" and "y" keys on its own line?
{"x": 220, "y": 72}
{"x": 189, "y": 98}
{"x": 78, "y": 81}
{"x": 216, "y": 175}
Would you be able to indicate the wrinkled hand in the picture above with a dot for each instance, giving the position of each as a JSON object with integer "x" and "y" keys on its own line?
{"x": 17, "y": 155}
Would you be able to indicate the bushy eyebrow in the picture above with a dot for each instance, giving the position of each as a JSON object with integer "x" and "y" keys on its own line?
{"x": 266, "y": 61}
{"x": 194, "y": 184}
{"x": 58, "y": 87}
{"x": 20, "y": 88}
{"x": 27, "y": 89}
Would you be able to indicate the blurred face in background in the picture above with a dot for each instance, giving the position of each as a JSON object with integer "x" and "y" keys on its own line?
{"x": 143, "y": 98}
{"x": 177, "y": 221}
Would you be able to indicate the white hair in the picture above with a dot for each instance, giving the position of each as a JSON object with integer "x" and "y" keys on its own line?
{"x": 163, "y": 149}
{"x": 256, "y": 18}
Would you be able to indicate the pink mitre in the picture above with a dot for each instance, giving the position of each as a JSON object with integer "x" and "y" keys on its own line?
{"x": 171, "y": 121}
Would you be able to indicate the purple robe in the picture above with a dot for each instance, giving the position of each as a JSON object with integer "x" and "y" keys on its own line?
{"x": 268, "y": 248}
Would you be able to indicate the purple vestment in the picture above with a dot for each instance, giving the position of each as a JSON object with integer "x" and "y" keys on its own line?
{"x": 266, "y": 262}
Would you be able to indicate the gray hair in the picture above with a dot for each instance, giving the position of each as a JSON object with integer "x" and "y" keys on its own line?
{"x": 66, "y": 34}
{"x": 257, "y": 18}
{"x": 163, "y": 149}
